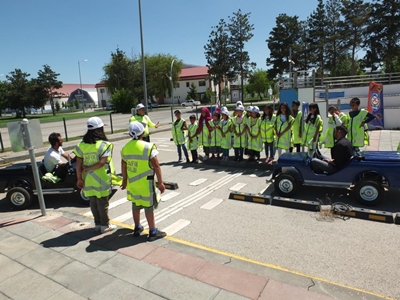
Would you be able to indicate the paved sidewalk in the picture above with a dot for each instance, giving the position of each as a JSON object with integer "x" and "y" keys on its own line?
{"x": 60, "y": 256}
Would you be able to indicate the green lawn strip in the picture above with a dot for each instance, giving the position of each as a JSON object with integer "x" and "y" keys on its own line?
{"x": 46, "y": 118}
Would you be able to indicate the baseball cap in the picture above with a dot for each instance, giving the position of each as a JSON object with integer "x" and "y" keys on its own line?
{"x": 94, "y": 123}
{"x": 136, "y": 129}
{"x": 239, "y": 107}
{"x": 177, "y": 112}
{"x": 249, "y": 108}
{"x": 139, "y": 106}
{"x": 256, "y": 109}
{"x": 225, "y": 111}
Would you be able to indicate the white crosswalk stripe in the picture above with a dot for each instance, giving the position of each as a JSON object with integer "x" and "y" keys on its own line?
{"x": 198, "y": 181}
{"x": 175, "y": 227}
{"x": 237, "y": 187}
{"x": 211, "y": 204}
{"x": 168, "y": 196}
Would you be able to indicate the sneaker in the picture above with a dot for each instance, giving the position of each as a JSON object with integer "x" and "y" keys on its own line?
{"x": 97, "y": 228}
{"x": 156, "y": 235}
{"x": 108, "y": 228}
{"x": 137, "y": 231}
{"x": 180, "y": 160}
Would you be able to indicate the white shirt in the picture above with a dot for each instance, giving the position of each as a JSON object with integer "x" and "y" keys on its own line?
{"x": 52, "y": 158}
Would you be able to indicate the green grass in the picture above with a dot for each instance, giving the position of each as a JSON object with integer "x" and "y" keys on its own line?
{"x": 48, "y": 117}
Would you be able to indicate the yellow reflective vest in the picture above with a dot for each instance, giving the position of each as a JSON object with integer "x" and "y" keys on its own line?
{"x": 267, "y": 129}
{"x": 145, "y": 120}
{"x": 140, "y": 188}
{"x": 97, "y": 182}
{"x": 296, "y": 128}
{"x": 192, "y": 129}
{"x": 310, "y": 130}
{"x": 283, "y": 142}
{"x": 226, "y": 133}
{"x": 216, "y": 135}
{"x": 177, "y": 132}
{"x": 254, "y": 143}
{"x": 356, "y": 133}
{"x": 237, "y": 128}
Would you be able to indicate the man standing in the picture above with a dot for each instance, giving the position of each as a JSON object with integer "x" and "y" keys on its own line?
{"x": 139, "y": 163}
{"x": 141, "y": 117}
{"x": 341, "y": 153}
{"x": 53, "y": 155}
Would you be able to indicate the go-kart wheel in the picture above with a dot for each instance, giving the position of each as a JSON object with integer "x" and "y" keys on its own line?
{"x": 83, "y": 199}
{"x": 369, "y": 192}
{"x": 286, "y": 185}
{"x": 19, "y": 198}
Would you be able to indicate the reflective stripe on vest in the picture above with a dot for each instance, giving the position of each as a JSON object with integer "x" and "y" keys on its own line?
{"x": 140, "y": 187}
{"x": 177, "y": 133}
{"x": 238, "y": 141}
{"x": 255, "y": 143}
{"x": 216, "y": 135}
{"x": 226, "y": 129}
{"x": 296, "y": 127}
{"x": 192, "y": 128}
{"x": 267, "y": 129}
{"x": 310, "y": 130}
{"x": 283, "y": 142}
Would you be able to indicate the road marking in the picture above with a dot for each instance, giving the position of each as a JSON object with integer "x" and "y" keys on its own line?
{"x": 263, "y": 190}
{"x": 238, "y": 186}
{"x": 112, "y": 205}
{"x": 167, "y": 150}
{"x": 124, "y": 217}
{"x": 175, "y": 227}
{"x": 211, "y": 204}
{"x": 198, "y": 182}
{"x": 193, "y": 198}
{"x": 169, "y": 195}
{"x": 163, "y": 145}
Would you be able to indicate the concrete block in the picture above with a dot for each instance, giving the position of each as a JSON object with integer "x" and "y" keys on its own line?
{"x": 29, "y": 285}
{"x": 178, "y": 287}
{"x": 56, "y": 240}
{"x": 9, "y": 268}
{"x": 66, "y": 294}
{"x": 28, "y": 230}
{"x": 16, "y": 246}
{"x": 225, "y": 295}
{"x": 121, "y": 266}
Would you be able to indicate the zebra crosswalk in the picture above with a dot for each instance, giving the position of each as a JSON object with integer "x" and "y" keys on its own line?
{"x": 171, "y": 215}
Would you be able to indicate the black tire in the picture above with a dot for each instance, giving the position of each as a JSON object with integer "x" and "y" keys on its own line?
{"x": 183, "y": 105}
{"x": 82, "y": 199}
{"x": 369, "y": 192}
{"x": 285, "y": 185}
{"x": 19, "y": 198}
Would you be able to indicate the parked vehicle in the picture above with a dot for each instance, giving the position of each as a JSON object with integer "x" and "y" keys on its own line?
{"x": 17, "y": 180}
{"x": 191, "y": 103}
{"x": 367, "y": 175}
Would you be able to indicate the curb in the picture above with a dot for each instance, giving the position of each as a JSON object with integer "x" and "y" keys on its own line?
{"x": 296, "y": 203}
{"x": 370, "y": 214}
{"x": 248, "y": 197}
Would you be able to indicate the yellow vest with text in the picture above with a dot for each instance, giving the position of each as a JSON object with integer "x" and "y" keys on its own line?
{"x": 97, "y": 182}
{"x": 140, "y": 186}
{"x": 216, "y": 134}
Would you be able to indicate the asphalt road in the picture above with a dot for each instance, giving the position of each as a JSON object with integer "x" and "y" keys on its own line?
{"x": 362, "y": 254}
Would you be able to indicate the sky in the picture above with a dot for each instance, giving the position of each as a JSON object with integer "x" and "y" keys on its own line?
{"x": 60, "y": 33}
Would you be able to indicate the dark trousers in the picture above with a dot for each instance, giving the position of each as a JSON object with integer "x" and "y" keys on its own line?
{"x": 297, "y": 148}
{"x": 185, "y": 152}
{"x": 194, "y": 155}
{"x": 206, "y": 150}
{"x": 99, "y": 208}
{"x": 239, "y": 153}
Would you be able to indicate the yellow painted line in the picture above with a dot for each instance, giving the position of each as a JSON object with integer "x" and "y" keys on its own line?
{"x": 249, "y": 260}
{"x": 377, "y": 218}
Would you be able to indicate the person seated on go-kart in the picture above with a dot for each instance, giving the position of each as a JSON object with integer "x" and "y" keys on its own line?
{"x": 52, "y": 159}
{"x": 341, "y": 153}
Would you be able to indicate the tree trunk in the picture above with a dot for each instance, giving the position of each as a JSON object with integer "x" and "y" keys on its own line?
{"x": 52, "y": 106}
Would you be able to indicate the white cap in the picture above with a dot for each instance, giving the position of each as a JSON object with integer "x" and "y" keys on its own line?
{"x": 136, "y": 129}
{"x": 225, "y": 111}
{"x": 239, "y": 103}
{"x": 94, "y": 123}
{"x": 256, "y": 109}
{"x": 249, "y": 108}
{"x": 139, "y": 106}
{"x": 240, "y": 107}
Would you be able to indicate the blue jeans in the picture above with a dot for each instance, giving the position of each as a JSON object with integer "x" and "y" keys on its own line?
{"x": 225, "y": 152}
{"x": 180, "y": 147}
{"x": 269, "y": 149}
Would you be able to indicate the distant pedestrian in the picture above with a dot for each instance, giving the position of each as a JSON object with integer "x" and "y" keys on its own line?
{"x": 141, "y": 117}
{"x": 93, "y": 170}
{"x": 192, "y": 139}
{"x": 139, "y": 163}
{"x": 178, "y": 135}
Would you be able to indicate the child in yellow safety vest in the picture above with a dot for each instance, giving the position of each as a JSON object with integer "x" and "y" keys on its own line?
{"x": 313, "y": 127}
{"x": 247, "y": 117}
{"x": 178, "y": 135}
{"x": 254, "y": 143}
{"x": 225, "y": 129}
{"x": 268, "y": 133}
{"x": 192, "y": 139}
{"x": 215, "y": 135}
{"x": 283, "y": 124}
{"x": 333, "y": 122}
{"x": 297, "y": 126}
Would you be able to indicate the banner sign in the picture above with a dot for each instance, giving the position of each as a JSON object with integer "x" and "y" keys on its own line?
{"x": 375, "y": 103}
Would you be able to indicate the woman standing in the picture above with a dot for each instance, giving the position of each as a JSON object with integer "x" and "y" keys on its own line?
{"x": 283, "y": 124}
{"x": 93, "y": 170}
{"x": 204, "y": 130}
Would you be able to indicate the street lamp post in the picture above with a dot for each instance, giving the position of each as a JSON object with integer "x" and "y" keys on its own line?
{"x": 172, "y": 89}
{"x": 143, "y": 60}
{"x": 80, "y": 82}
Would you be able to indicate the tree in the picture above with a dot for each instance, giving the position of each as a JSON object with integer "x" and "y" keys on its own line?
{"x": 218, "y": 53}
{"x": 258, "y": 83}
{"x": 383, "y": 36}
{"x": 285, "y": 35}
{"x": 47, "y": 79}
{"x": 123, "y": 100}
{"x": 57, "y": 106}
{"x": 241, "y": 32}
{"x": 38, "y": 95}
{"x": 192, "y": 94}
{"x": 18, "y": 92}
{"x": 3, "y": 95}
{"x": 356, "y": 14}
{"x": 317, "y": 26}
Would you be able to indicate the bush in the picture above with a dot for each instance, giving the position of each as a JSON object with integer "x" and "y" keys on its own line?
{"x": 123, "y": 100}
{"x": 58, "y": 106}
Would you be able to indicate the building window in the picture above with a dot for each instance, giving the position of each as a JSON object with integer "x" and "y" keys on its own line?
{"x": 177, "y": 85}
{"x": 202, "y": 83}
{"x": 102, "y": 91}
{"x": 187, "y": 84}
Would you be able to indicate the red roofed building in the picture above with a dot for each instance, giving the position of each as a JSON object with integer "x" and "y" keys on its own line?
{"x": 189, "y": 74}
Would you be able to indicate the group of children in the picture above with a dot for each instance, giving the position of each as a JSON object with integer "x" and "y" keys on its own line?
{"x": 248, "y": 132}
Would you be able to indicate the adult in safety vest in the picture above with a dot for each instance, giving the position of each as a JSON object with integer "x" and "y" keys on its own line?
{"x": 93, "y": 171}
{"x": 139, "y": 163}
{"x": 141, "y": 117}
{"x": 358, "y": 118}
